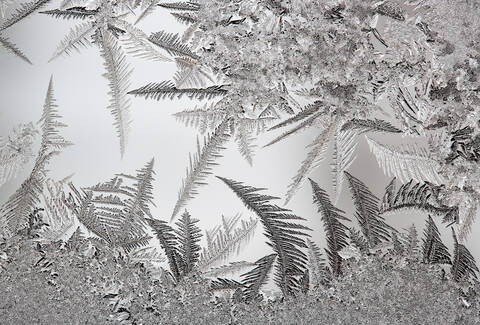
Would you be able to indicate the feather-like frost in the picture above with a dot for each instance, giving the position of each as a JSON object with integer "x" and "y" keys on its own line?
{"x": 185, "y": 18}
{"x": 57, "y": 215}
{"x": 367, "y": 212}
{"x": 226, "y": 241}
{"x": 314, "y": 157}
{"x": 21, "y": 203}
{"x": 225, "y": 284}
{"x": 181, "y": 6}
{"x": 118, "y": 73}
{"x": 190, "y": 73}
{"x": 309, "y": 121}
{"x": 257, "y": 277}
{"x": 201, "y": 165}
{"x": 318, "y": 270}
{"x": 305, "y": 282}
{"x": 463, "y": 263}
{"x": 188, "y": 33}
{"x": 358, "y": 240}
{"x": 188, "y": 236}
{"x": 363, "y": 126}
{"x": 343, "y": 156}
{"x": 433, "y": 249}
{"x": 4, "y": 7}
{"x": 168, "y": 242}
{"x": 172, "y": 44}
{"x": 286, "y": 238}
{"x": 303, "y": 114}
{"x": 203, "y": 118}
{"x": 136, "y": 43}
{"x": 406, "y": 163}
{"x": 468, "y": 221}
{"x": 167, "y": 89}
{"x": 24, "y": 11}
{"x": 336, "y": 231}
{"x": 9, "y": 46}
{"x": 115, "y": 211}
{"x": 76, "y": 38}
{"x": 72, "y": 13}
{"x": 413, "y": 195}
{"x": 244, "y": 140}
{"x": 411, "y": 242}
{"x": 147, "y": 10}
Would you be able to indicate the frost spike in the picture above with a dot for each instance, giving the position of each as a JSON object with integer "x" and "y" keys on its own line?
{"x": 117, "y": 74}
{"x": 5, "y": 42}
{"x": 21, "y": 203}
{"x": 165, "y": 89}
{"x": 77, "y": 37}
{"x": 286, "y": 238}
{"x": 257, "y": 277}
{"x": 314, "y": 157}
{"x": 25, "y": 10}
{"x": 367, "y": 212}
{"x": 406, "y": 163}
{"x": 343, "y": 156}
{"x": 335, "y": 230}
{"x": 463, "y": 263}
{"x": 201, "y": 165}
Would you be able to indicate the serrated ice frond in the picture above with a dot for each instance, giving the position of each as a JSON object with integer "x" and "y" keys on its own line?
{"x": 406, "y": 163}
{"x": 188, "y": 237}
{"x": 367, "y": 212}
{"x": 185, "y": 18}
{"x": 72, "y": 13}
{"x": 76, "y": 38}
{"x": 309, "y": 121}
{"x": 463, "y": 263}
{"x": 9, "y": 46}
{"x": 257, "y": 277}
{"x": 148, "y": 8}
{"x": 225, "y": 243}
{"x": 244, "y": 140}
{"x": 285, "y": 235}
{"x": 118, "y": 74}
{"x": 303, "y": 114}
{"x": 316, "y": 155}
{"x": 204, "y": 118}
{"x": 166, "y": 89}
{"x": 363, "y": 126}
{"x": 336, "y": 231}
{"x": 344, "y": 146}
{"x": 201, "y": 165}
{"x": 317, "y": 267}
{"x": 181, "y": 6}
{"x": 190, "y": 73}
{"x": 172, "y": 44}
{"x": 24, "y": 11}
{"x": 137, "y": 44}
{"x": 433, "y": 249}
{"x": 24, "y": 200}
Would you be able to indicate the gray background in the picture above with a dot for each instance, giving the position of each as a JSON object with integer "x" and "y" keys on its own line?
{"x": 81, "y": 94}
